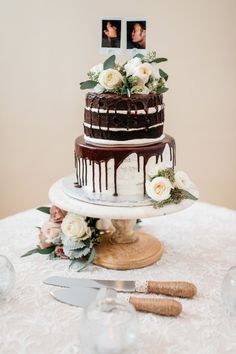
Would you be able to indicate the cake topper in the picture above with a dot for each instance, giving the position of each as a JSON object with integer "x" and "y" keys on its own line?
{"x": 111, "y": 33}
{"x": 136, "y": 34}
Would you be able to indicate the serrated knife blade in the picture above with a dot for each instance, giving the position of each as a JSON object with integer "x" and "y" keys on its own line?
{"x": 118, "y": 285}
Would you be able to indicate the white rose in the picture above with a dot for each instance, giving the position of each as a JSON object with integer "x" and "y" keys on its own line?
{"x": 159, "y": 188}
{"x": 159, "y": 167}
{"x": 104, "y": 224}
{"x": 141, "y": 89}
{"x": 98, "y": 89}
{"x": 143, "y": 72}
{"x": 75, "y": 227}
{"x": 96, "y": 69}
{"x": 131, "y": 65}
{"x": 182, "y": 180}
{"x": 110, "y": 79}
{"x": 155, "y": 71}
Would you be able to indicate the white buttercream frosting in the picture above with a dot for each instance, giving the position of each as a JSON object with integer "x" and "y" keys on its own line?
{"x": 124, "y": 142}
{"x": 138, "y": 111}
{"x": 120, "y": 129}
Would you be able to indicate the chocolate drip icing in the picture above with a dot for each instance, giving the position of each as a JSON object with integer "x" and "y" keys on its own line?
{"x": 98, "y": 154}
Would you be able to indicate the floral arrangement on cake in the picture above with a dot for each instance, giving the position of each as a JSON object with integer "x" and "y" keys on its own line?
{"x": 70, "y": 236}
{"x": 166, "y": 186}
{"x": 139, "y": 75}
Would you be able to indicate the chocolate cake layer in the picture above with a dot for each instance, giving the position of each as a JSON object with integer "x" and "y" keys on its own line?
{"x": 117, "y": 120}
{"x": 120, "y": 118}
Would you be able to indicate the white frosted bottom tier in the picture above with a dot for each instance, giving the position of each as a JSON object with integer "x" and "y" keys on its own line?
{"x": 68, "y": 186}
{"x": 119, "y": 180}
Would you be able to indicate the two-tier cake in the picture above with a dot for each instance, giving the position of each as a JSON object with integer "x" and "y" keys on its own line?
{"x": 124, "y": 142}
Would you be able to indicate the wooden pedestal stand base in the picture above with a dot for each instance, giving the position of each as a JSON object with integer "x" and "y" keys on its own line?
{"x": 127, "y": 248}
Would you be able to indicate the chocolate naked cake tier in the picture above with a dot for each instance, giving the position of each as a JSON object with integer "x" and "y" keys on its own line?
{"x": 109, "y": 173}
{"x": 117, "y": 119}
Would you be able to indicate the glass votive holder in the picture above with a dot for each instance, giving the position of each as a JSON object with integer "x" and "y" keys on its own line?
{"x": 228, "y": 291}
{"x": 108, "y": 326}
{"x": 7, "y": 277}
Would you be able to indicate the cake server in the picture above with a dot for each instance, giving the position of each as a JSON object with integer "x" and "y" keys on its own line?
{"x": 82, "y": 297}
{"x": 171, "y": 288}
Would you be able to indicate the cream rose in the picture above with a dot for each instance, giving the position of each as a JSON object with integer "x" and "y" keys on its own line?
{"x": 182, "y": 180}
{"x": 141, "y": 89}
{"x": 104, "y": 224}
{"x": 143, "y": 72}
{"x": 110, "y": 78}
{"x": 131, "y": 65}
{"x": 159, "y": 188}
{"x": 75, "y": 227}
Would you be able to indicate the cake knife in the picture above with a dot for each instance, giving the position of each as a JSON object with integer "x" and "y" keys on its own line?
{"x": 82, "y": 297}
{"x": 170, "y": 288}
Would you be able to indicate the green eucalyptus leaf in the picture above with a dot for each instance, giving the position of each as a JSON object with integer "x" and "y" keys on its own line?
{"x": 109, "y": 62}
{"x": 187, "y": 195}
{"x": 35, "y": 250}
{"x": 89, "y": 260}
{"x": 162, "y": 89}
{"x": 138, "y": 55}
{"x": 46, "y": 250}
{"x": 128, "y": 92}
{"x": 124, "y": 90}
{"x": 74, "y": 261}
{"x": 163, "y": 74}
{"x": 89, "y": 84}
{"x": 44, "y": 209}
{"x": 158, "y": 60}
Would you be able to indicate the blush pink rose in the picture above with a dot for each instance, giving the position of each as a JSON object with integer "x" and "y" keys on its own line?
{"x": 48, "y": 234}
{"x": 57, "y": 214}
{"x": 60, "y": 252}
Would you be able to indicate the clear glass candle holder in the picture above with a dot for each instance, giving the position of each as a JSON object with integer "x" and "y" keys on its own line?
{"x": 7, "y": 277}
{"x": 108, "y": 326}
{"x": 228, "y": 291}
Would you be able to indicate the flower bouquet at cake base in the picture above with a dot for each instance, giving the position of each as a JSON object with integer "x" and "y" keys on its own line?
{"x": 70, "y": 236}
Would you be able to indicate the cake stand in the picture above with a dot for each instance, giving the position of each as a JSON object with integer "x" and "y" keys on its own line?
{"x": 126, "y": 247}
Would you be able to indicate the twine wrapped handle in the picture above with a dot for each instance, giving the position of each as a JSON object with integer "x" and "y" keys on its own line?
{"x": 164, "y": 307}
{"x": 170, "y": 288}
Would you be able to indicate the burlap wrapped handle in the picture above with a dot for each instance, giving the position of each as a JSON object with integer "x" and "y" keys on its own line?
{"x": 172, "y": 288}
{"x": 164, "y": 307}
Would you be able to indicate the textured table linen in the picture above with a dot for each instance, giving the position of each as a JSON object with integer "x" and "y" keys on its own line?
{"x": 200, "y": 246}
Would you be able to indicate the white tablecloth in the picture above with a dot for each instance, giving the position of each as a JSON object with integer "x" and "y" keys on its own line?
{"x": 200, "y": 245}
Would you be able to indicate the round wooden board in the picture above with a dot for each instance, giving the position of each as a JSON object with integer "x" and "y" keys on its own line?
{"x": 141, "y": 253}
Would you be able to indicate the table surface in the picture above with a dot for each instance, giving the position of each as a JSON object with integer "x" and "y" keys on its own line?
{"x": 200, "y": 246}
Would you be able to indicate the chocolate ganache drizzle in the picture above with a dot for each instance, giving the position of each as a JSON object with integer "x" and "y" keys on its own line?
{"x": 86, "y": 153}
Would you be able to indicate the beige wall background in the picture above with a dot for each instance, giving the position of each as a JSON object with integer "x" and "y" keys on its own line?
{"x": 47, "y": 47}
